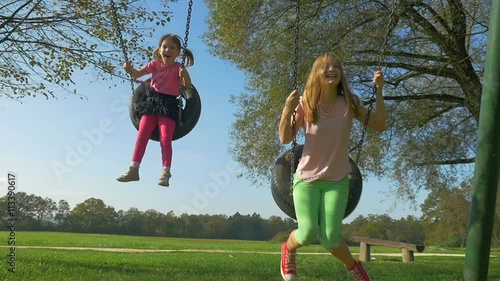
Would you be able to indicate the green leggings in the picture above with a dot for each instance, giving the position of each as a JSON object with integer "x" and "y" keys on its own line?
{"x": 320, "y": 208}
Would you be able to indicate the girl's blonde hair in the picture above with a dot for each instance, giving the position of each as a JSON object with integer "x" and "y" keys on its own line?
{"x": 177, "y": 41}
{"x": 312, "y": 91}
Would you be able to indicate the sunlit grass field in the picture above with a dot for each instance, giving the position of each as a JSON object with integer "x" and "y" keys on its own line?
{"x": 191, "y": 259}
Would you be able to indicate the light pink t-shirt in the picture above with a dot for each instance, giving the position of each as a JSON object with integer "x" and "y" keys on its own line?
{"x": 165, "y": 78}
{"x": 326, "y": 148}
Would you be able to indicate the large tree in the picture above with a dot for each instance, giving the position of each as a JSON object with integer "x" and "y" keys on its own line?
{"x": 43, "y": 43}
{"x": 34, "y": 211}
{"x": 433, "y": 65}
{"x": 93, "y": 216}
{"x": 446, "y": 213}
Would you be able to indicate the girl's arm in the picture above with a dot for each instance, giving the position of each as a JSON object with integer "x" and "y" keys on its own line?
{"x": 185, "y": 77}
{"x": 378, "y": 118}
{"x": 134, "y": 72}
{"x": 285, "y": 128}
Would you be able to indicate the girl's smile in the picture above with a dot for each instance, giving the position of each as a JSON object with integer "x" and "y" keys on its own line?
{"x": 332, "y": 72}
{"x": 169, "y": 51}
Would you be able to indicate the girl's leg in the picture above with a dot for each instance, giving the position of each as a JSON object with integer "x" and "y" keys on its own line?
{"x": 333, "y": 204}
{"x": 146, "y": 127}
{"x": 292, "y": 243}
{"x": 306, "y": 198}
{"x": 342, "y": 253}
{"x": 167, "y": 128}
{"x": 355, "y": 267}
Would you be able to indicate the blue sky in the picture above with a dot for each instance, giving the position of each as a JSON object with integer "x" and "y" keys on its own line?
{"x": 74, "y": 149}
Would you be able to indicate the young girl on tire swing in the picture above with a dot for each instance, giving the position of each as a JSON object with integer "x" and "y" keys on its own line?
{"x": 321, "y": 184}
{"x": 161, "y": 107}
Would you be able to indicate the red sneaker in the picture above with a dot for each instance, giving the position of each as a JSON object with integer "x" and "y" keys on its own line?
{"x": 358, "y": 272}
{"x": 287, "y": 266}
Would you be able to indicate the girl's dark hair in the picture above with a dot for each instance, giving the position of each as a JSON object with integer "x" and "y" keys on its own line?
{"x": 177, "y": 41}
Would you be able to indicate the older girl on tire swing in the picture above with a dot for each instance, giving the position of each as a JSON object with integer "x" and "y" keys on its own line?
{"x": 321, "y": 184}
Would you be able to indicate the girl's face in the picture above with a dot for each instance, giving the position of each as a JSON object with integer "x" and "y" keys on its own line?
{"x": 332, "y": 72}
{"x": 169, "y": 51}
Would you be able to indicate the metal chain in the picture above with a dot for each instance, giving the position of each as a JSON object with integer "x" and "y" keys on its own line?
{"x": 294, "y": 87}
{"x": 121, "y": 41}
{"x": 390, "y": 27}
{"x": 296, "y": 53}
{"x": 186, "y": 37}
{"x": 188, "y": 23}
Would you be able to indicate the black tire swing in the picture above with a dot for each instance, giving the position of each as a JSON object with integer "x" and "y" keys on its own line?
{"x": 281, "y": 188}
{"x": 188, "y": 115}
{"x": 286, "y": 164}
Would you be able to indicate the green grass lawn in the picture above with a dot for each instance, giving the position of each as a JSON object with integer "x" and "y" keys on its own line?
{"x": 240, "y": 264}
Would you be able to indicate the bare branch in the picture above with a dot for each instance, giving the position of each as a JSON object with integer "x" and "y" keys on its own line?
{"x": 403, "y": 55}
{"x": 19, "y": 23}
{"x": 435, "y": 97}
{"x": 431, "y": 31}
{"x": 441, "y": 71}
{"x": 436, "y": 115}
{"x": 447, "y": 162}
{"x": 459, "y": 23}
{"x": 435, "y": 15}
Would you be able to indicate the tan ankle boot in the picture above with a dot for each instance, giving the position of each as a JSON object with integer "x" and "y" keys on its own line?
{"x": 131, "y": 175}
{"x": 164, "y": 179}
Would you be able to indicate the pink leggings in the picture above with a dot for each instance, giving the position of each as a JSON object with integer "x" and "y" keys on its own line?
{"x": 146, "y": 127}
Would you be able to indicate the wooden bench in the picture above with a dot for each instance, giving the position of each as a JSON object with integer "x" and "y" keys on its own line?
{"x": 366, "y": 242}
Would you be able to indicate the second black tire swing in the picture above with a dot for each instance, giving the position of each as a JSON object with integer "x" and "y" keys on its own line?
{"x": 286, "y": 164}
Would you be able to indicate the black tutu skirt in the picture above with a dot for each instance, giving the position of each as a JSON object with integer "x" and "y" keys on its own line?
{"x": 159, "y": 104}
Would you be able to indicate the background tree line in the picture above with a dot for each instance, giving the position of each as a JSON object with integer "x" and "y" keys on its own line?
{"x": 443, "y": 222}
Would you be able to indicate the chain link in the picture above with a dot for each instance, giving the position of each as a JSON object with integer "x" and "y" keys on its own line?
{"x": 296, "y": 50}
{"x": 186, "y": 37}
{"x": 390, "y": 27}
{"x": 188, "y": 23}
{"x": 294, "y": 87}
{"x": 121, "y": 41}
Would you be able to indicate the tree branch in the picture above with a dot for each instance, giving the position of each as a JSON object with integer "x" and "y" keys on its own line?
{"x": 447, "y": 162}
{"x": 61, "y": 48}
{"x": 436, "y": 115}
{"x": 436, "y": 15}
{"x": 404, "y": 77}
{"x": 12, "y": 17}
{"x": 440, "y": 71}
{"x": 428, "y": 28}
{"x": 411, "y": 56}
{"x": 443, "y": 97}
{"x": 459, "y": 28}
